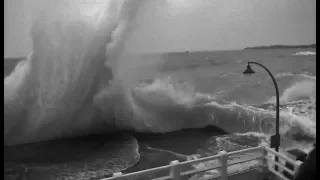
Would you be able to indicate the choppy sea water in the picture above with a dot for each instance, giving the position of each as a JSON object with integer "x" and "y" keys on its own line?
{"x": 137, "y": 111}
{"x": 100, "y": 155}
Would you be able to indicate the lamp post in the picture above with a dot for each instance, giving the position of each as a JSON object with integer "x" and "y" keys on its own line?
{"x": 275, "y": 139}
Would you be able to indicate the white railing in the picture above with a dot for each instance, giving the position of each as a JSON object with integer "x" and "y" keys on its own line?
{"x": 222, "y": 162}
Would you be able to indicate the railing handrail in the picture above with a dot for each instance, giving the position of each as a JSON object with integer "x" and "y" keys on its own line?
{"x": 222, "y": 164}
{"x": 294, "y": 163}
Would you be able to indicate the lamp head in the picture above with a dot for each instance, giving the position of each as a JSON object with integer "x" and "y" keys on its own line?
{"x": 248, "y": 70}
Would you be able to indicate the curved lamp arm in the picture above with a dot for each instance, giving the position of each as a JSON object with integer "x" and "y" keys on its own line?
{"x": 275, "y": 140}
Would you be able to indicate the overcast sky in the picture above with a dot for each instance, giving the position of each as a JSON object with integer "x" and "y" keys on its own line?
{"x": 180, "y": 25}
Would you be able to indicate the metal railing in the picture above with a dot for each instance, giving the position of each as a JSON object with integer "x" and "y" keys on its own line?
{"x": 258, "y": 156}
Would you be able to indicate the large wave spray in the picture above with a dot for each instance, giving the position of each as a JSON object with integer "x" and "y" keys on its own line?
{"x": 65, "y": 88}
{"x": 51, "y": 94}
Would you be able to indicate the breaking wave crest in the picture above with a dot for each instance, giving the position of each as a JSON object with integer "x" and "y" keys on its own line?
{"x": 79, "y": 80}
{"x": 299, "y": 90}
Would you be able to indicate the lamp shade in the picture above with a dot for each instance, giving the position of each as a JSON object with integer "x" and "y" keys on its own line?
{"x": 248, "y": 70}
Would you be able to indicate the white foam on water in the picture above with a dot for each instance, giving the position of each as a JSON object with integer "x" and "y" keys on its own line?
{"x": 305, "y": 53}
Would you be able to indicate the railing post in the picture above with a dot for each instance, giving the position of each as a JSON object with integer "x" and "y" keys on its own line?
{"x": 298, "y": 162}
{"x": 224, "y": 164}
{"x": 175, "y": 171}
{"x": 117, "y": 174}
{"x": 264, "y": 161}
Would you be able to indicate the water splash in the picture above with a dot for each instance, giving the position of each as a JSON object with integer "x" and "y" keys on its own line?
{"x": 299, "y": 90}
{"x": 79, "y": 80}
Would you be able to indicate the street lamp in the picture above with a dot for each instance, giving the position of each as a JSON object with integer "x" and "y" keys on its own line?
{"x": 275, "y": 139}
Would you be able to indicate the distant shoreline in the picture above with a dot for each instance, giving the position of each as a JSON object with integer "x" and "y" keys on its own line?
{"x": 17, "y": 59}
{"x": 282, "y": 47}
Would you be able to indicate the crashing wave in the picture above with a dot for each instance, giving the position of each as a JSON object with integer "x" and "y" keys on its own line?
{"x": 299, "y": 90}
{"x": 51, "y": 94}
{"x": 78, "y": 80}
